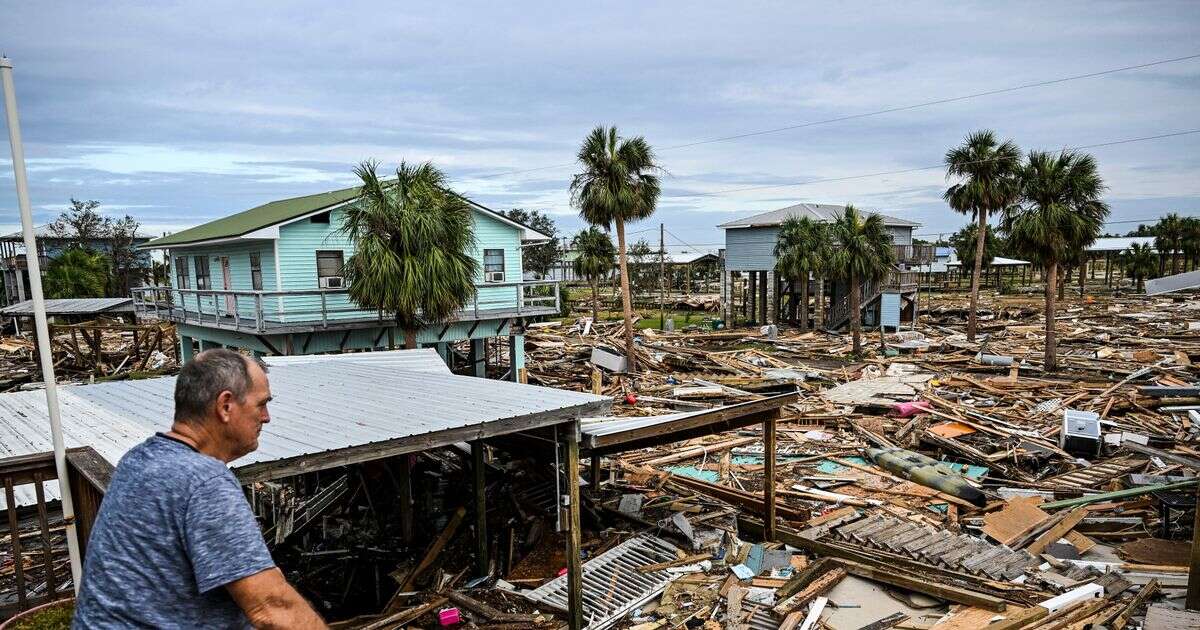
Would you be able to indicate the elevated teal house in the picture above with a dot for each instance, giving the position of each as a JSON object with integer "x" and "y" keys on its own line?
{"x": 269, "y": 280}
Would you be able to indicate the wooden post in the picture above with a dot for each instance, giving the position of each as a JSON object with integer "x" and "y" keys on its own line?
{"x": 1193, "y": 592}
{"x": 406, "y": 506}
{"x": 481, "y": 539}
{"x": 769, "y": 479}
{"x": 594, "y": 466}
{"x": 574, "y": 536}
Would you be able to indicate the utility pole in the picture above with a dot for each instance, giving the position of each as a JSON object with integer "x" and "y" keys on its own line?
{"x": 34, "y": 267}
{"x": 662, "y": 277}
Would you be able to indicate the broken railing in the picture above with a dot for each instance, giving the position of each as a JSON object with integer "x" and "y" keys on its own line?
{"x": 261, "y": 311}
{"x": 34, "y": 565}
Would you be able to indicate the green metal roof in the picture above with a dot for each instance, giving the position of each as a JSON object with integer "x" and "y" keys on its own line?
{"x": 257, "y": 218}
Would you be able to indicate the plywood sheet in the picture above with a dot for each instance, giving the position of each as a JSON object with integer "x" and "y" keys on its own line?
{"x": 1016, "y": 518}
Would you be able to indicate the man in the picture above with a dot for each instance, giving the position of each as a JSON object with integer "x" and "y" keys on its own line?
{"x": 176, "y": 544}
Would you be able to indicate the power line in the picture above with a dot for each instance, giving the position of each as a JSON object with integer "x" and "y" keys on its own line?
{"x": 915, "y": 169}
{"x": 889, "y": 110}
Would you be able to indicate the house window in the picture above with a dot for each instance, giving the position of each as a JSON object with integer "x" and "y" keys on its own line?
{"x": 493, "y": 265}
{"x": 256, "y": 271}
{"x": 329, "y": 265}
{"x": 320, "y": 218}
{"x": 181, "y": 274}
{"x": 202, "y": 279}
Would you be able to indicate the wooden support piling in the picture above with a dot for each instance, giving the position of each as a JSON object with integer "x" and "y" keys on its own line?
{"x": 481, "y": 539}
{"x": 574, "y": 538}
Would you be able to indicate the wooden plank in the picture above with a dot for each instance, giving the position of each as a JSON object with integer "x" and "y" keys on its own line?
{"x": 435, "y": 549}
{"x": 769, "y": 480}
{"x": 1018, "y": 516}
{"x": 1059, "y": 530}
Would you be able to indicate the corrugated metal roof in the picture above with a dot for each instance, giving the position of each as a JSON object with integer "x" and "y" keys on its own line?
{"x": 1119, "y": 243}
{"x": 319, "y": 406}
{"x": 422, "y": 360}
{"x": 73, "y": 306}
{"x": 823, "y": 212}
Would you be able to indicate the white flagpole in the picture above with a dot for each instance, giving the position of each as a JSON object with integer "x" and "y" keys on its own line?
{"x": 34, "y": 268}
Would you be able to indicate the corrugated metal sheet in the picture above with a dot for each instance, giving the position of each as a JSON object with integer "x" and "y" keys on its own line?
{"x": 1177, "y": 282}
{"x": 73, "y": 306}
{"x": 329, "y": 404}
{"x": 423, "y": 360}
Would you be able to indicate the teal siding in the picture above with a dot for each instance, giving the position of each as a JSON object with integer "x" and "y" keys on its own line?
{"x": 239, "y": 272}
{"x": 299, "y": 242}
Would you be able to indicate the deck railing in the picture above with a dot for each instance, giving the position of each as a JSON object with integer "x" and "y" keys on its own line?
{"x": 918, "y": 253}
{"x": 34, "y": 566}
{"x": 260, "y": 311}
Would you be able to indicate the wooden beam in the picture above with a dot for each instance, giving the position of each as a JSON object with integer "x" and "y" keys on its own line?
{"x": 1193, "y": 592}
{"x": 574, "y": 535}
{"x": 445, "y": 329}
{"x": 769, "y": 479}
{"x": 435, "y": 549}
{"x": 481, "y": 538}
{"x": 266, "y": 471}
{"x": 267, "y": 344}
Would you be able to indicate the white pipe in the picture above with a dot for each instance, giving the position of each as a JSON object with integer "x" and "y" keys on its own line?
{"x": 39, "y": 318}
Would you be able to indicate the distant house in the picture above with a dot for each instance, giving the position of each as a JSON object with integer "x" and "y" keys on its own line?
{"x": 14, "y": 267}
{"x": 751, "y": 291}
{"x": 269, "y": 280}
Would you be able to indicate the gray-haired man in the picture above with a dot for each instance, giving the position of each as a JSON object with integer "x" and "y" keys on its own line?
{"x": 176, "y": 544}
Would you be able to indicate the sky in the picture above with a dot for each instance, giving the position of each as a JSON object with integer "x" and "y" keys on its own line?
{"x": 178, "y": 113}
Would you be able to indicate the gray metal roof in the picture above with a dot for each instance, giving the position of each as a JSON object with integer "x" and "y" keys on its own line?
{"x": 423, "y": 360}
{"x": 73, "y": 306}
{"x": 329, "y": 404}
{"x": 823, "y": 212}
{"x": 1119, "y": 243}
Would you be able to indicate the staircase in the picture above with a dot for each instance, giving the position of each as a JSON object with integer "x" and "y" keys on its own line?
{"x": 897, "y": 281}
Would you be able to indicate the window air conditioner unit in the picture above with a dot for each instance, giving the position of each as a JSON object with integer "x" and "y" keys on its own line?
{"x": 331, "y": 282}
{"x": 495, "y": 276}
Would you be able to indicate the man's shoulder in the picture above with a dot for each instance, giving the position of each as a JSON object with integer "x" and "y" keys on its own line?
{"x": 170, "y": 460}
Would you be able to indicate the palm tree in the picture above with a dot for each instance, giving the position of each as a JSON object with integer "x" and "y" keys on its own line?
{"x": 987, "y": 170}
{"x": 1139, "y": 263}
{"x": 801, "y": 249}
{"x": 1190, "y": 241}
{"x": 595, "y": 259}
{"x": 862, "y": 253}
{"x": 1061, "y": 214}
{"x": 1168, "y": 238}
{"x": 77, "y": 273}
{"x": 619, "y": 183}
{"x": 413, "y": 240}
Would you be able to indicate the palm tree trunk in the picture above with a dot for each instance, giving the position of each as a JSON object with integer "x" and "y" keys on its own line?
{"x": 1061, "y": 282}
{"x": 410, "y": 338}
{"x": 855, "y": 316}
{"x": 1051, "y": 281}
{"x": 626, "y": 298}
{"x": 804, "y": 302}
{"x": 595, "y": 302}
{"x": 820, "y": 302}
{"x": 972, "y": 316}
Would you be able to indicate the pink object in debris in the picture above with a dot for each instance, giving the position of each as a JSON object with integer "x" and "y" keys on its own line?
{"x": 906, "y": 409}
{"x": 449, "y": 617}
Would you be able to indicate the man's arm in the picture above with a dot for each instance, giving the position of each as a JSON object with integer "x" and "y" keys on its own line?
{"x": 270, "y": 602}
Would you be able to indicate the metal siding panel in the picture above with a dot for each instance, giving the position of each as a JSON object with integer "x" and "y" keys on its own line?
{"x": 750, "y": 249}
{"x": 889, "y": 308}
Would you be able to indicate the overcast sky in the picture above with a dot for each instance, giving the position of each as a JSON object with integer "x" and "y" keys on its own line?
{"x": 180, "y": 113}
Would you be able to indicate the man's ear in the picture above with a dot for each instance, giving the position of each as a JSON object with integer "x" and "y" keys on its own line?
{"x": 224, "y": 405}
